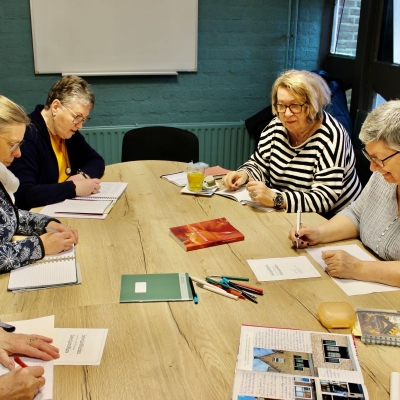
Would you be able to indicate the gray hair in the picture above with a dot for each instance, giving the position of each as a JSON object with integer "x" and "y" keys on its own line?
{"x": 11, "y": 114}
{"x": 383, "y": 124}
{"x": 71, "y": 89}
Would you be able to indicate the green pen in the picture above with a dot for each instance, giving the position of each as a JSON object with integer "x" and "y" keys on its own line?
{"x": 232, "y": 278}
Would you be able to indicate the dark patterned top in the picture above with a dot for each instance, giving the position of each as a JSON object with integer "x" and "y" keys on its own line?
{"x": 18, "y": 222}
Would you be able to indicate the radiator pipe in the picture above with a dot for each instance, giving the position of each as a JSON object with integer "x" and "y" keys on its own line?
{"x": 289, "y": 18}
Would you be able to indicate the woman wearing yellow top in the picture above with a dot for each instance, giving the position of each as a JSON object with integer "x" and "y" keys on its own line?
{"x": 57, "y": 162}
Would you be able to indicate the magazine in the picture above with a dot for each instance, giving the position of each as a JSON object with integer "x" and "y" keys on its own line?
{"x": 286, "y": 364}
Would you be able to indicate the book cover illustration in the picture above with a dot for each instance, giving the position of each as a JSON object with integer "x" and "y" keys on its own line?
{"x": 205, "y": 234}
{"x": 379, "y": 326}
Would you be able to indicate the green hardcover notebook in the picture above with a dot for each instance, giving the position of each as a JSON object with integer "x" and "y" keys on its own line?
{"x": 155, "y": 287}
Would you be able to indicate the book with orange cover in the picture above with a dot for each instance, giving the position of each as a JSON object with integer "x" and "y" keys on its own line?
{"x": 204, "y": 234}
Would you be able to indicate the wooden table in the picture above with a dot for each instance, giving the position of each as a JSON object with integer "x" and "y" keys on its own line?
{"x": 179, "y": 350}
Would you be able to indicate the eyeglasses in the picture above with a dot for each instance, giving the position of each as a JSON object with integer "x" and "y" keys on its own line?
{"x": 377, "y": 161}
{"x": 77, "y": 118}
{"x": 13, "y": 145}
{"x": 294, "y": 108}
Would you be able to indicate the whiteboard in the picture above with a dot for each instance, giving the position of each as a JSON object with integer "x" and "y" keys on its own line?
{"x": 114, "y": 37}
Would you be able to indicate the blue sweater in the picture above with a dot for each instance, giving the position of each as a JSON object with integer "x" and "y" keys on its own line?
{"x": 37, "y": 168}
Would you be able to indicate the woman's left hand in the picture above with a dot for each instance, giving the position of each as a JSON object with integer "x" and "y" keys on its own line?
{"x": 35, "y": 346}
{"x": 341, "y": 264}
{"x": 260, "y": 192}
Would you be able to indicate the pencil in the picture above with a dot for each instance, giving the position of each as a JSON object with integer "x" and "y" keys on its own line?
{"x": 20, "y": 362}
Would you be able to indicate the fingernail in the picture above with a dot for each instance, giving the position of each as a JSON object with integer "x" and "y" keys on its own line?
{"x": 296, "y": 234}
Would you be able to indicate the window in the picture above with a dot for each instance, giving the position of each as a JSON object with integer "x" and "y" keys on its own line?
{"x": 278, "y": 360}
{"x": 345, "y": 27}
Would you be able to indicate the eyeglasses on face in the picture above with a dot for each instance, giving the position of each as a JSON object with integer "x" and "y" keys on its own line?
{"x": 377, "y": 161}
{"x": 13, "y": 145}
{"x": 294, "y": 108}
{"x": 77, "y": 118}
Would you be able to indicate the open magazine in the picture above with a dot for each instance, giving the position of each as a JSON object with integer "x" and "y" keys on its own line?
{"x": 293, "y": 364}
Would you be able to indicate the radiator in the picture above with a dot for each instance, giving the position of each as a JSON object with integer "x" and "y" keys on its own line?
{"x": 224, "y": 144}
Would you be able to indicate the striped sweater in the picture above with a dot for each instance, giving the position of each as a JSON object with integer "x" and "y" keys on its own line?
{"x": 319, "y": 175}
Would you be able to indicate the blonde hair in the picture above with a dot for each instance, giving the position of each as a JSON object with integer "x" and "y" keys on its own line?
{"x": 71, "y": 89}
{"x": 309, "y": 88}
{"x": 10, "y": 114}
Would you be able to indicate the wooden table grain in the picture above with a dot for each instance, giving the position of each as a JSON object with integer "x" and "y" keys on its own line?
{"x": 179, "y": 350}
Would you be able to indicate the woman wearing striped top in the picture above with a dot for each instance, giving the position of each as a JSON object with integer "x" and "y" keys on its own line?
{"x": 374, "y": 216}
{"x": 304, "y": 154}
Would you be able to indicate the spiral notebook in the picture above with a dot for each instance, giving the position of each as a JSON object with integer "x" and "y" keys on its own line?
{"x": 56, "y": 270}
{"x": 108, "y": 191}
{"x": 379, "y": 326}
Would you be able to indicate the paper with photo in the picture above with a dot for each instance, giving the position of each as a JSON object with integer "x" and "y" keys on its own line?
{"x": 350, "y": 286}
{"x": 278, "y": 269}
{"x": 80, "y": 346}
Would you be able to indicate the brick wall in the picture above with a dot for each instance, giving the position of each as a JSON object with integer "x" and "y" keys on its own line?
{"x": 241, "y": 50}
{"x": 347, "y": 35}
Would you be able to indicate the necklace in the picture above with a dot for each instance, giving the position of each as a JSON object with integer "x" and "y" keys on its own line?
{"x": 297, "y": 142}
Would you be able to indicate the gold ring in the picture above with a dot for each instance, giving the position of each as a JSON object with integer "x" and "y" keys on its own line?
{"x": 31, "y": 340}
{"x": 41, "y": 382}
{"x": 253, "y": 194}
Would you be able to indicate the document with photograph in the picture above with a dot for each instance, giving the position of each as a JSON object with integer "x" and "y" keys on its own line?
{"x": 291, "y": 364}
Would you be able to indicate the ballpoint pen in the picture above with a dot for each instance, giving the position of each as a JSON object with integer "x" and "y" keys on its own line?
{"x": 82, "y": 173}
{"x": 50, "y": 229}
{"x": 250, "y": 289}
{"x": 298, "y": 224}
{"x": 233, "y": 278}
{"x": 195, "y": 297}
{"x": 20, "y": 362}
{"x": 222, "y": 292}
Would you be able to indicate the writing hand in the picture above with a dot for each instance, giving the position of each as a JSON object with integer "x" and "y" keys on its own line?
{"x": 21, "y": 383}
{"x": 86, "y": 187}
{"x": 307, "y": 236}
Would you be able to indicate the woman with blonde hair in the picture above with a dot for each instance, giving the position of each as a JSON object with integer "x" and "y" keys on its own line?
{"x": 304, "y": 159}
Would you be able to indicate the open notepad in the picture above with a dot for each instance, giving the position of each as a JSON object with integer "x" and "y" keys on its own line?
{"x": 56, "y": 270}
{"x": 95, "y": 206}
{"x": 242, "y": 196}
{"x": 108, "y": 191}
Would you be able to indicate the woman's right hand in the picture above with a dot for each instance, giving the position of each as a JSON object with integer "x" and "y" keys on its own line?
{"x": 234, "y": 179}
{"x": 86, "y": 187}
{"x": 21, "y": 383}
{"x": 307, "y": 236}
{"x": 55, "y": 243}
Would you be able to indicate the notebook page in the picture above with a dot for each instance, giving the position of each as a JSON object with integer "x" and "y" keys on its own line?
{"x": 83, "y": 206}
{"x": 51, "y": 273}
{"x": 108, "y": 190}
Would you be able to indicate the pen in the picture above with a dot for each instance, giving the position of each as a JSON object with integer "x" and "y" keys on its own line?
{"x": 195, "y": 298}
{"x": 50, "y": 229}
{"x": 298, "y": 223}
{"x": 233, "y": 278}
{"x": 219, "y": 291}
{"x": 20, "y": 362}
{"x": 250, "y": 289}
{"x": 82, "y": 173}
{"x": 222, "y": 283}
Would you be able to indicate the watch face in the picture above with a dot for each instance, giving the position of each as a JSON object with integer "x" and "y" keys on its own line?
{"x": 278, "y": 200}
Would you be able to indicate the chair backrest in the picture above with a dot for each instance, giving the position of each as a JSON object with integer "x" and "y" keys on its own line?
{"x": 160, "y": 143}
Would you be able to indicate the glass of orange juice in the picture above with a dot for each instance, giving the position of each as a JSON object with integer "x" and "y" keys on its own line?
{"x": 195, "y": 176}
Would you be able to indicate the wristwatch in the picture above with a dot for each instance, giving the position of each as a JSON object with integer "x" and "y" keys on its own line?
{"x": 278, "y": 200}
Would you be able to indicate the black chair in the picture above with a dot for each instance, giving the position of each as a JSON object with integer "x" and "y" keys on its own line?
{"x": 160, "y": 143}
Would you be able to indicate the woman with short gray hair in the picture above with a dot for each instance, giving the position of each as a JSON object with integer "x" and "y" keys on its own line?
{"x": 374, "y": 216}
